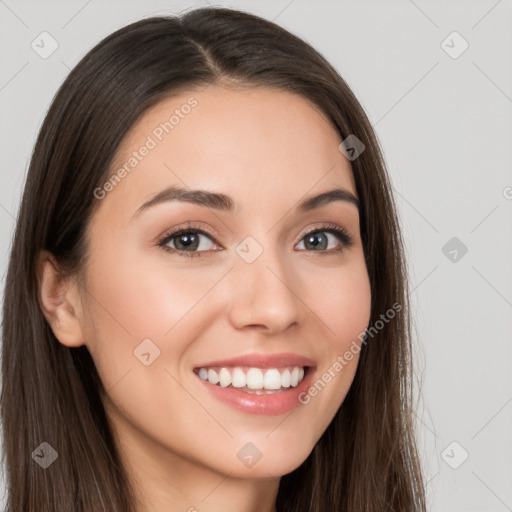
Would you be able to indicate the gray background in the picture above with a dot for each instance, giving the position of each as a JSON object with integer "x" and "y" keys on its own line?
{"x": 445, "y": 126}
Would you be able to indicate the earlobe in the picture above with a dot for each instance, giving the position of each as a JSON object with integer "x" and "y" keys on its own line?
{"x": 59, "y": 301}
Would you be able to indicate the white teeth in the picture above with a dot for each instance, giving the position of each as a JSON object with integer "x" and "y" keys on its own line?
{"x": 239, "y": 379}
{"x": 272, "y": 379}
{"x": 253, "y": 378}
{"x": 285, "y": 379}
{"x": 213, "y": 376}
{"x": 294, "y": 377}
{"x": 224, "y": 378}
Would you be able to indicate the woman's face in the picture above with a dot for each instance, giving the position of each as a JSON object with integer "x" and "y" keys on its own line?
{"x": 254, "y": 275}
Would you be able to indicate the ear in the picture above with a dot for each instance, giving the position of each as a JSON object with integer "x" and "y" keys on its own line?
{"x": 60, "y": 301}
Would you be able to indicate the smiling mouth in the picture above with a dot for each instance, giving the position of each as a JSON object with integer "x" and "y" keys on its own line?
{"x": 252, "y": 380}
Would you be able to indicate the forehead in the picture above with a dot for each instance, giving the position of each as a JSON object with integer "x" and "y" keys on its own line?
{"x": 245, "y": 142}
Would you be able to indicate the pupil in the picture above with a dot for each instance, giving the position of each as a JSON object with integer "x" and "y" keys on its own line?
{"x": 188, "y": 240}
{"x": 311, "y": 241}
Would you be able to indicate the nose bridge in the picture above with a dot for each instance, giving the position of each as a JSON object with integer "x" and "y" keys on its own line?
{"x": 264, "y": 292}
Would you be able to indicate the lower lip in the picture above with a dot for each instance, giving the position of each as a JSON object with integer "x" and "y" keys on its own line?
{"x": 269, "y": 405}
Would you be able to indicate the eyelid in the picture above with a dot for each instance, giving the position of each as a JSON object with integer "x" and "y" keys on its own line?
{"x": 188, "y": 226}
{"x": 323, "y": 227}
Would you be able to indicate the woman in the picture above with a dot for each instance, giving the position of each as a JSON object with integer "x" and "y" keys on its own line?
{"x": 206, "y": 302}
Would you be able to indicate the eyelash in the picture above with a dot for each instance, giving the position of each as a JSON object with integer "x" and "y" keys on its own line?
{"x": 342, "y": 234}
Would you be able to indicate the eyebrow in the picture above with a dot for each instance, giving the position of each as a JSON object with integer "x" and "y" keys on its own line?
{"x": 223, "y": 202}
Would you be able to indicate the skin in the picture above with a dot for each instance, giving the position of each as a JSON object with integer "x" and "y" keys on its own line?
{"x": 267, "y": 149}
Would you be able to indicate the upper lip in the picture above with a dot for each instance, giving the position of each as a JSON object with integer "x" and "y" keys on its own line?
{"x": 262, "y": 361}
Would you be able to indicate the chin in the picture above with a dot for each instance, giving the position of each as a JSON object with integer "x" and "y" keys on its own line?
{"x": 272, "y": 463}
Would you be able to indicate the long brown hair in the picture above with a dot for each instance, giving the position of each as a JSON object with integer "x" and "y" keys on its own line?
{"x": 367, "y": 459}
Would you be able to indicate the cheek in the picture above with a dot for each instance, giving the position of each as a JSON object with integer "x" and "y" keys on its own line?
{"x": 143, "y": 298}
{"x": 344, "y": 304}
{"x": 131, "y": 299}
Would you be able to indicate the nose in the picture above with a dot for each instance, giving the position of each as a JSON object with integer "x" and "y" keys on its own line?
{"x": 265, "y": 295}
